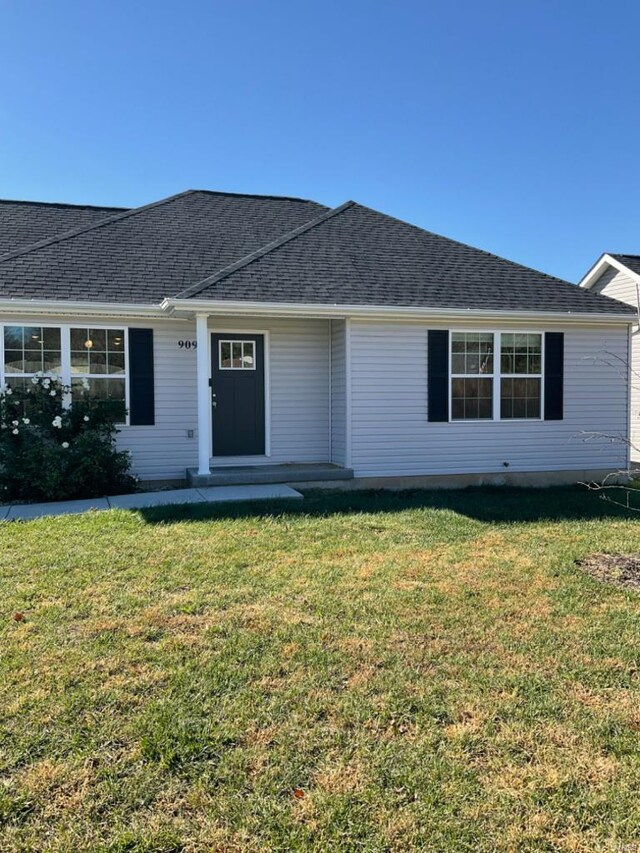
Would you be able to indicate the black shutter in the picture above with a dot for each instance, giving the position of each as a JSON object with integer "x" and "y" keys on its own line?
{"x": 438, "y": 374}
{"x": 141, "y": 391}
{"x": 553, "y": 376}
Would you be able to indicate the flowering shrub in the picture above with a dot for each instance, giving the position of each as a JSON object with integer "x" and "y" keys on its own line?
{"x": 51, "y": 449}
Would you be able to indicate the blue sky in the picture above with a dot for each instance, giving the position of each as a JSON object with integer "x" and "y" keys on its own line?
{"x": 512, "y": 125}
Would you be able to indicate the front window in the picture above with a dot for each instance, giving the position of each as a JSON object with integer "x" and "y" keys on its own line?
{"x": 92, "y": 357}
{"x": 98, "y": 355}
{"x": 520, "y": 375}
{"x": 496, "y": 375}
{"x": 472, "y": 360}
{"x": 29, "y": 350}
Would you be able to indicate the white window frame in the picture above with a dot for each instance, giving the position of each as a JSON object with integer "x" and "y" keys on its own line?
{"x": 65, "y": 353}
{"x": 496, "y": 376}
{"x": 231, "y": 342}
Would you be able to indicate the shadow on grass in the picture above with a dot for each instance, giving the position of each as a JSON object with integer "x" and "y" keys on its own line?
{"x": 498, "y": 505}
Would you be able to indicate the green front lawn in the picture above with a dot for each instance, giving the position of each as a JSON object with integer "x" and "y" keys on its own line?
{"x": 365, "y": 672}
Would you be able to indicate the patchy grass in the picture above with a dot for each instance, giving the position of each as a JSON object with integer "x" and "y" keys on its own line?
{"x": 366, "y": 672}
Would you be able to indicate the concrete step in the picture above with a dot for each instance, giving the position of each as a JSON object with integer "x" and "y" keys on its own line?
{"x": 254, "y": 474}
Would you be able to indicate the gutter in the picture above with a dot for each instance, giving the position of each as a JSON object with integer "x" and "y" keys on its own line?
{"x": 189, "y": 308}
{"x": 174, "y": 306}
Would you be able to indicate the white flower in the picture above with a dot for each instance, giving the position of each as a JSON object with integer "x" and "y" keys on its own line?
{"x": 14, "y": 431}
{"x": 65, "y": 444}
{"x": 8, "y": 391}
{"x": 34, "y": 379}
{"x": 53, "y": 393}
{"x": 57, "y": 422}
{"x": 15, "y": 423}
{"x": 26, "y": 421}
{"x": 86, "y": 419}
{"x": 46, "y": 383}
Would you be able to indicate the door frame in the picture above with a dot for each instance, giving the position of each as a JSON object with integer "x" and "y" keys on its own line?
{"x": 266, "y": 334}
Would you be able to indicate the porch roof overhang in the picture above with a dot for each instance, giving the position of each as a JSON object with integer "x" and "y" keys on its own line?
{"x": 190, "y": 307}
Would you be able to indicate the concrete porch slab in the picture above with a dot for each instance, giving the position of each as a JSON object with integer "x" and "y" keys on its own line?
{"x": 236, "y": 475}
{"x": 215, "y": 494}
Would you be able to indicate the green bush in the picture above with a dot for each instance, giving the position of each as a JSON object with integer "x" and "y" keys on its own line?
{"x": 53, "y": 449}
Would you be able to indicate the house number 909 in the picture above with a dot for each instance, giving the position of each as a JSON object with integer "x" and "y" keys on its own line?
{"x": 187, "y": 344}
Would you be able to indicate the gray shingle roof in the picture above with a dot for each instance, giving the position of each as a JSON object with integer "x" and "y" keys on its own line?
{"x": 146, "y": 254}
{"x": 630, "y": 261}
{"x": 358, "y": 256}
{"x": 225, "y": 246}
{"x": 25, "y": 222}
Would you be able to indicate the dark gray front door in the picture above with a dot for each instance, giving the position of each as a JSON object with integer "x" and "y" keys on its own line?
{"x": 237, "y": 394}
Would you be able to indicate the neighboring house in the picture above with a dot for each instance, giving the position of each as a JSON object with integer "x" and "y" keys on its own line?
{"x": 248, "y": 331}
{"x": 618, "y": 276}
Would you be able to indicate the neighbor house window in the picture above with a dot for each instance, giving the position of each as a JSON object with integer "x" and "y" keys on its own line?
{"x": 472, "y": 358}
{"x": 496, "y": 375}
{"x": 98, "y": 355}
{"x": 29, "y": 350}
{"x": 520, "y": 375}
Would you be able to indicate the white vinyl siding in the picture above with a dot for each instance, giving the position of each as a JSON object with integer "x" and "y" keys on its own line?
{"x": 622, "y": 286}
{"x": 391, "y": 435}
{"x": 338, "y": 393}
{"x": 299, "y": 387}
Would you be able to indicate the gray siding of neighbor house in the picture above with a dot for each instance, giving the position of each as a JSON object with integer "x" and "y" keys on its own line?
{"x": 620, "y": 285}
{"x": 391, "y": 436}
{"x": 338, "y": 392}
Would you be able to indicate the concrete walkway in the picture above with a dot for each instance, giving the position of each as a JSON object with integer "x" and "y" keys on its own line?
{"x": 142, "y": 500}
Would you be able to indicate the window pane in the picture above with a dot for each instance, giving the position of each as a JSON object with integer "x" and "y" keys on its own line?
{"x": 97, "y": 361}
{"x": 79, "y": 362}
{"x": 13, "y": 361}
{"x": 471, "y": 352}
{"x": 13, "y": 337}
{"x": 32, "y": 338}
{"x": 521, "y": 353}
{"x": 98, "y": 338}
{"x": 116, "y": 362}
{"x": 471, "y": 399}
{"x": 78, "y": 339}
{"x": 520, "y": 398}
{"x": 26, "y": 352}
{"x": 225, "y": 354}
{"x": 236, "y": 354}
{"x": 248, "y": 355}
{"x": 32, "y": 361}
{"x": 51, "y": 338}
{"x": 115, "y": 340}
{"x": 99, "y": 389}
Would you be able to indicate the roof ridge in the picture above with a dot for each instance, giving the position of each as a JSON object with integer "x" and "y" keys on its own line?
{"x": 63, "y": 204}
{"x": 259, "y": 195}
{"x": 264, "y": 250}
{"x": 75, "y": 232}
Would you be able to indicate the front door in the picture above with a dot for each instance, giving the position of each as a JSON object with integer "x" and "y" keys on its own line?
{"x": 237, "y": 394}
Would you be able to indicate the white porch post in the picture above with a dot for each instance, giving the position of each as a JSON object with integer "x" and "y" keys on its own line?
{"x": 203, "y": 393}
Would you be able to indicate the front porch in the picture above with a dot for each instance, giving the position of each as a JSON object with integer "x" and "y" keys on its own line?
{"x": 276, "y": 473}
{"x": 271, "y": 404}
